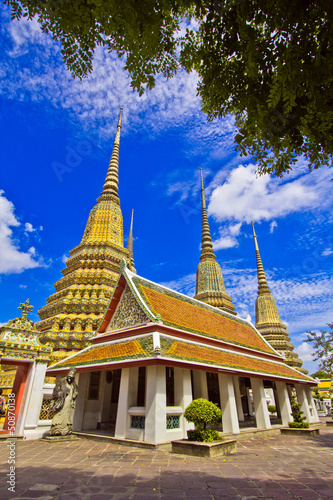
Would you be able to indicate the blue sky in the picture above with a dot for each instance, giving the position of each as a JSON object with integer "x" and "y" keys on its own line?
{"x": 56, "y": 140}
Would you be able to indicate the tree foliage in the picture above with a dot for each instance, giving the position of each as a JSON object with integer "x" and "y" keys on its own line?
{"x": 202, "y": 412}
{"x": 323, "y": 346}
{"x": 268, "y": 62}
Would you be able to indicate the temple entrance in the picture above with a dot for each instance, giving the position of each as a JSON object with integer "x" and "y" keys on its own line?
{"x": 114, "y": 400}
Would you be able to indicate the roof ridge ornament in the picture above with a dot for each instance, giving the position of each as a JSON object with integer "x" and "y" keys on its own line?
{"x": 130, "y": 244}
{"x": 26, "y": 308}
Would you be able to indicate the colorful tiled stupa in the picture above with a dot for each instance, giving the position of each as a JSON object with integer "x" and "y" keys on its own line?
{"x": 268, "y": 320}
{"x": 210, "y": 286}
{"x": 72, "y": 314}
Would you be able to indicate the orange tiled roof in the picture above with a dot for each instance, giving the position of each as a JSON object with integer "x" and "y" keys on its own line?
{"x": 104, "y": 353}
{"x": 192, "y": 352}
{"x": 192, "y": 316}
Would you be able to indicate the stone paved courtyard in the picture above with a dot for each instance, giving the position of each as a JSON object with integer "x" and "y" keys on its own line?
{"x": 270, "y": 467}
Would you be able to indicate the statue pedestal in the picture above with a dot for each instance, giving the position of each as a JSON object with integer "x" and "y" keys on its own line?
{"x": 68, "y": 437}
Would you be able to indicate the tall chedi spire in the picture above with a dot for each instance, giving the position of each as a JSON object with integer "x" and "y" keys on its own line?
{"x": 73, "y": 312}
{"x": 268, "y": 320}
{"x": 130, "y": 244}
{"x": 210, "y": 286}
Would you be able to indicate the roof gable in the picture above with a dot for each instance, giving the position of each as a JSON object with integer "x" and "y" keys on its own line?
{"x": 128, "y": 313}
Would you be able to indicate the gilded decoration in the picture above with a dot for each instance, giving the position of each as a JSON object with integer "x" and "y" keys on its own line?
{"x": 268, "y": 321}
{"x": 128, "y": 313}
{"x": 209, "y": 277}
{"x": 210, "y": 286}
{"x": 19, "y": 338}
{"x": 72, "y": 314}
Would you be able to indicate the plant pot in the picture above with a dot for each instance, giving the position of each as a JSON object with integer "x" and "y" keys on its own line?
{"x": 195, "y": 449}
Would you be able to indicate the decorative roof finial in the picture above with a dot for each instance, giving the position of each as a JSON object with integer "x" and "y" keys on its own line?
{"x": 130, "y": 243}
{"x": 207, "y": 251}
{"x": 111, "y": 181}
{"x": 262, "y": 282}
{"x": 26, "y": 308}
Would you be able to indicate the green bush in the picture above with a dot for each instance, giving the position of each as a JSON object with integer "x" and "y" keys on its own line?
{"x": 202, "y": 412}
{"x": 271, "y": 408}
{"x": 297, "y": 414}
{"x": 203, "y": 435}
{"x": 298, "y": 425}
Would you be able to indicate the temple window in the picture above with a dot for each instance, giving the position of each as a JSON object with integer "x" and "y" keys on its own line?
{"x": 94, "y": 381}
{"x": 170, "y": 386}
{"x": 141, "y": 386}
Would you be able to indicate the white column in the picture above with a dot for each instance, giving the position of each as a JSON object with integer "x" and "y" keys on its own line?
{"x": 303, "y": 401}
{"x": 36, "y": 397}
{"x": 260, "y": 405}
{"x": 200, "y": 389}
{"x": 83, "y": 383}
{"x": 238, "y": 399}
{"x": 127, "y": 397}
{"x": 133, "y": 386}
{"x": 311, "y": 402}
{"x": 183, "y": 394}
{"x": 155, "y": 425}
{"x": 284, "y": 402}
{"x": 228, "y": 404}
{"x": 122, "y": 411}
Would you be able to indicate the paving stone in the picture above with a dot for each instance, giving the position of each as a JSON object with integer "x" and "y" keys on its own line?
{"x": 43, "y": 487}
{"x": 266, "y": 468}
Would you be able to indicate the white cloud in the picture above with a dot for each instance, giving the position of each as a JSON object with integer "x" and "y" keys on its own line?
{"x": 305, "y": 352}
{"x": 227, "y": 237}
{"x": 28, "y": 228}
{"x": 95, "y": 101}
{"x": 64, "y": 258}
{"x": 327, "y": 252}
{"x": 272, "y": 226}
{"x": 245, "y": 197}
{"x": 12, "y": 259}
{"x": 185, "y": 284}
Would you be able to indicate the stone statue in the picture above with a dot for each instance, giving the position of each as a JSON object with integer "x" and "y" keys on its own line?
{"x": 64, "y": 395}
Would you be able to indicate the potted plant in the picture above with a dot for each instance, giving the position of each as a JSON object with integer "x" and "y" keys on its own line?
{"x": 202, "y": 412}
{"x": 203, "y": 442}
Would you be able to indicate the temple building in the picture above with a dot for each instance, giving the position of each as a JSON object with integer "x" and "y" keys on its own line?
{"x": 72, "y": 314}
{"x": 268, "y": 321}
{"x": 142, "y": 351}
{"x": 25, "y": 361}
{"x": 156, "y": 350}
{"x": 210, "y": 286}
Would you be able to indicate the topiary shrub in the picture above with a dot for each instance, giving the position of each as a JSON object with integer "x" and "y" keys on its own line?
{"x": 202, "y": 412}
{"x": 203, "y": 435}
{"x": 271, "y": 408}
{"x": 297, "y": 414}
